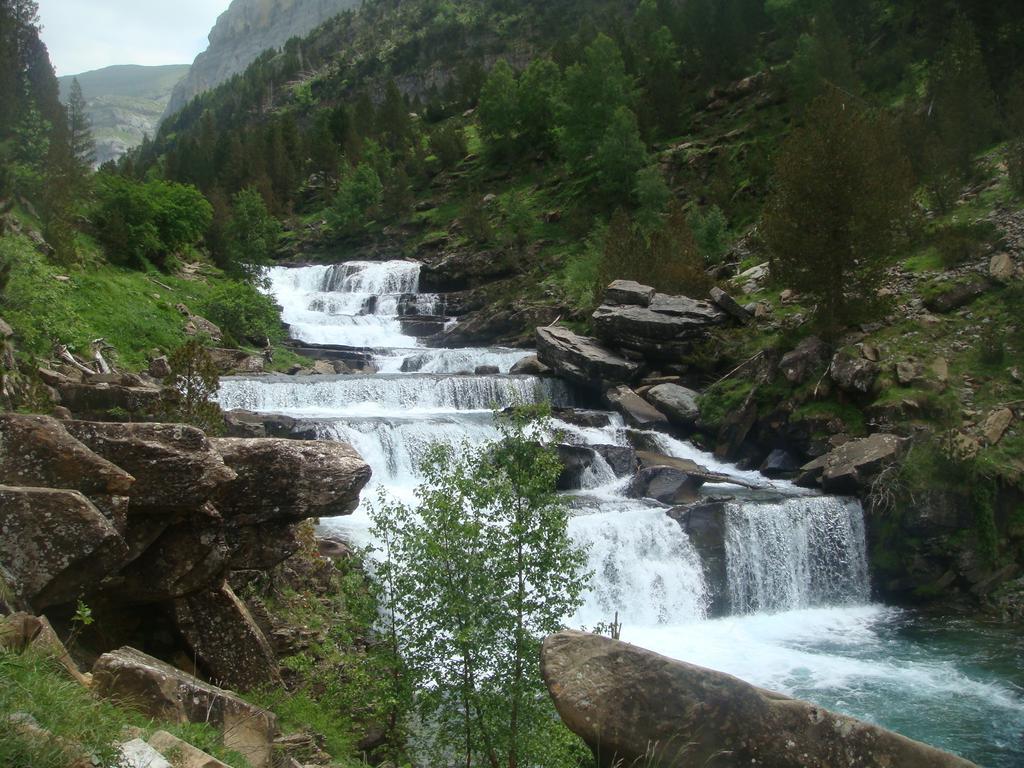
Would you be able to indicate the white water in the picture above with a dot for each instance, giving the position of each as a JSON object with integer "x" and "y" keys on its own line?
{"x": 796, "y": 564}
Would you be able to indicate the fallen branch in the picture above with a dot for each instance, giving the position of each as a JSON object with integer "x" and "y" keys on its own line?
{"x": 737, "y": 368}
{"x": 64, "y": 354}
{"x": 162, "y": 285}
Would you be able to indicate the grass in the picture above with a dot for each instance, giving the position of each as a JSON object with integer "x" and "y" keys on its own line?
{"x": 38, "y": 686}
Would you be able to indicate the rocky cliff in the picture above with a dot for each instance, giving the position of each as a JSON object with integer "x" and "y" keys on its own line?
{"x": 243, "y": 32}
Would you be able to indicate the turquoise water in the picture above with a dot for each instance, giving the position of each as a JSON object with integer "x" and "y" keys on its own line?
{"x": 955, "y": 684}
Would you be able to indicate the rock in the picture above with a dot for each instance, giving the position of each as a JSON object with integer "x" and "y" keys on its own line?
{"x": 160, "y": 367}
{"x": 582, "y": 417}
{"x": 730, "y": 306}
{"x": 750, "y": 280}
{"x": 666, "y": 484}
{"x": 908, "y": 372}
{"x": 486, "y": 370}
{"x": 185, "y": 755}
{"x": 200, "y": 326}
{"x": 849, "y": 468}
{"x": 635, "y": 707}
{"x": 665, "y": 330}
{"x": 941, "y": 369}
{"x": 161, "y": 692}
{"x": 634, "y": 409}
{"x": 138, "y": 754}
{"x": 54, "y": 544}
{"x": 957, "y": 296}
{"x": 996, "y": 425}
{"x": 242, "y": 423}
{"x": 853, "y": 374}
{"x": 334, "y": 548}
{"x": 582, "y": 359}
{"x": 172, "y": 557}
{"x": 6, "y": 331}
{"x": 576, "y": 459}
{"x": 780, "y": 464}
{"x": 529, "y": 366}
{"x": 101, "y": 401}
{"x": 676, "y": 402}
{"x": 288, "y": 480}
{"x": 622, "y": 459}
{"x": 692, "y": 468}
{"x": 788, "y": 296}
{"x": 1002, "y": 268}
{"x": 217, "y": 626}
{"x": 323, "y": 368}
{"x": 629, "y": 292}
{"x": 870, "y": 352}
{"x": 38, "y": 451}
{"x": 21, "y": 631}
{"x": 174, "y": 465}
{"x": 705, "y": 526}
{"x": 809, "y": 356}
{"x": 736, "y": 427}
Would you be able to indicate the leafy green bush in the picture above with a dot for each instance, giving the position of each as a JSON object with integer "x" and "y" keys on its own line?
{"x": 710, "y": 229}
{"x": 190, "y": 388}
{"x": 150, "y": 221}
{"x": 35, "y": 304}
{"x": 448, "y": 144}
{"x": 359, "y": 196}
{"x": 962, "y": 241}
{"x": 244, "y": 314}
{"x": 252, "y": 235}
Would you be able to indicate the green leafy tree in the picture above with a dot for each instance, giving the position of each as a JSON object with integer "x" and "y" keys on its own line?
{"x": 448, "y": 144}
{"x": 244, "y": 314}
{"x": 252, "y": 234}
{"x": 594, "y": 91}
{"x": 83, "y": 147}
{"x": 517, "y": 221}
{"x": 620, "y": 154}
{"x": 710, "y": 228}
{"x": 190, "y": 388}
{"x": 476, "y": 574}
{"x": 842, "y": 192}
{"x": 498, "y": 110}
{"x": 539, "y": 88}
{"x": 652, "y": 195}
{"x": 359, "y": 196}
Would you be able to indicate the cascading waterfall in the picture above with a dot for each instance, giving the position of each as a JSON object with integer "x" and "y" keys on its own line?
{"x": 795, "y": 561}
{"x": 796, "y": 553}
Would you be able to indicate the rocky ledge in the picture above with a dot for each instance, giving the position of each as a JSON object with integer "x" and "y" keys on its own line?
{"x": 634, "y": 707}
{"x": 146, "y": 522}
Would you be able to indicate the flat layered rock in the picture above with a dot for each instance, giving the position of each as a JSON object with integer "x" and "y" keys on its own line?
{"x": 582, "y": 359}
{"x": 629, "y": 292}
{"x": 665, "y": 329}
{"x": 635, "y": 707}
{"x": 635, "y": 410}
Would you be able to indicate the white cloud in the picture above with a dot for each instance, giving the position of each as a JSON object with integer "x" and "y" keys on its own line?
{"x": 89, "y": 34}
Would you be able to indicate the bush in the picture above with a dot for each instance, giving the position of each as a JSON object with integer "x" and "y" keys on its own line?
{"x": 448, "y": 144}
{"x": 244, "y": 314}
{"x": 710, "y": 229}
{"x": 190, "y": 388}
{"x": 148, "y": 222}
{"x": 1015, "y": 165}
{"x": 960, "y": 242}
{"x": 359, "y": 196}
{"x": 252, "y": 235}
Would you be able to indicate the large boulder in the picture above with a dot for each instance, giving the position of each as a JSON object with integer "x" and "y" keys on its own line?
{"x": 806, "y": 359}
{"x": 575, "y": 459}
{"x": 582, "y": 359}
{"x": 669, "y": 485}
{"x": 629, "y": 292}
{"x": 853, "y": 374}
{"x": 730, "y": 306}
{"x": 217, "y": 626}
{"x": 529, "y": 366}
{"x": 621, "y": 458}
{"x": 37, "y": 451}
{"x": 103, "y": 400}
{"x": 665, "y": 330}
{"x": 183, "y": 558}
{"x": 161, "y": 692}
{"x": 635, "y": 707}
{"x": 635, "y": 410}
{"x": 705, "y": 526}
{"x": 957, "y": 296}
{"x": 54, "y": 544}
{"x": 676, "y": 402}
{"x": 288, "y": 480}
{"x": 174, "y": 465}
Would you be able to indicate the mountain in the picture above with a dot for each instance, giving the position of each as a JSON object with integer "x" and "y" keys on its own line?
{"x": 125, "y": 103}
{"x": 243, "y": 32}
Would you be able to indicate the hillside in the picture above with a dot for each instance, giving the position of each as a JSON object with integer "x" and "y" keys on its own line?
{"x": 125, "y": 104}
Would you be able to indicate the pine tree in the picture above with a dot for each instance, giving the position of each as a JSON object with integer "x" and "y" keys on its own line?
{"x": 498, "y": 111}
{"x": 83, "y": 147}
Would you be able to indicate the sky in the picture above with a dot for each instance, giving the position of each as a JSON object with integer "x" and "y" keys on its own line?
{"x": 83, "y": 35}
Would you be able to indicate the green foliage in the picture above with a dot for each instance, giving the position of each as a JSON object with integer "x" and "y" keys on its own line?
{"x": 252, "y": 235}
{"x": 961, "y": 241}
{"x": 652, "y": 196}
{"x": 448, "y": 144}
{"x": 711, "y": 230}
{"x": 498, "y": 110}
{"x": 822, "y": 59}
{"x": 583, "y": 274}
{"x": 359, "y": 196}
{"x": 1015, "y": 165}
{"x": 148, "y": 222}
{"x": 473, "y": 578}
{"x": 474, "y": 219}
{"x": 244, "y": 314}
{"x": 190, "y": 388}
{"x": 517, "y": 221}
{"x": 619, "y": 155}
{"x": 722, "y": 400}
{"x": 842, "y": 191}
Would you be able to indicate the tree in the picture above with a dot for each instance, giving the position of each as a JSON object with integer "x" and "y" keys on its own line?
{"x": 251, "y": 234}
{"x": 842, "y": 190}
{"x": 499, "y": 110}
{"x": 475, "y": 576}
{"x": 83, "y": 147}
{"x": 539, "y": 87}
{"x": 190, "y": 388}
{"x": 359, "y": 195}
{"x": 620, "y": 154}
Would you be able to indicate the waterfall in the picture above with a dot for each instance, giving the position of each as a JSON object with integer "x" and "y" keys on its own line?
{"x": 796, "y": 553}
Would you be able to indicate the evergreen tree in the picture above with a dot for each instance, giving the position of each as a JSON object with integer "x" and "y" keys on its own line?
{"x": 83, "y": 147}
{"x": 620, "y": 154}
{"x": 498, "y": 111}
{"x": 538, "y": 94}
{"x": 842, "y": 191}
{"x": 251, "y": 235}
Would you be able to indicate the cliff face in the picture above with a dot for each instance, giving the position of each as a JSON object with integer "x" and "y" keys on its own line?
{"x": 243, "y": 32}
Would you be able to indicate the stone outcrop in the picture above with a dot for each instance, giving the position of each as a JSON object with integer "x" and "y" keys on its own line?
{"x": 957, "y": 296}
{"x": 849, "y": 468}
{"x": 667, "y": 484}
{"x": 676, "y": 402}
{"x": 575, "y": 459}
{"x": 635, "y": 707}
{"x": 244, "y": 31}
{"x": 629, "y": 292}
{"x": 159, "y": 515}
{"x": 800, "y": 363}
{"x": 666, "y": 329}
{"x": 582, "y": 360}
{"x": 704, "y": 525}
{"x": 162, "y": 692}
{"x": 855, "y": 375}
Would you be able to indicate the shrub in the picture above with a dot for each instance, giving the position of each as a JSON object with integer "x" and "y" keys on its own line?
{"x": 960, "y": 242}
{"x": 359, "y": 196}
{"x": 448, "y": 144}
{"x": 710, "y": 229}
{"x": 190, "y": 387}
{"x": 244, "y": 314}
